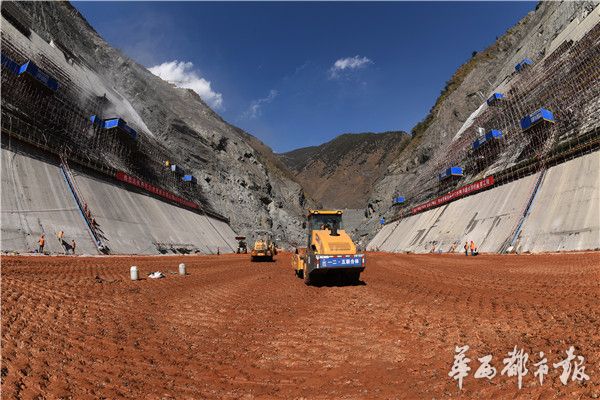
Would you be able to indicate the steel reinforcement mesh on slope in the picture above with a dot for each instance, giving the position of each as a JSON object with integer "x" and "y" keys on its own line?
{"x": 59, "y": 122}
{"x": 567, "y": 83}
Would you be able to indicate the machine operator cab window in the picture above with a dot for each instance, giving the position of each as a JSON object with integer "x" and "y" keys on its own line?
{"x": 262, "y": 236}
{"x": 328, "y": 222}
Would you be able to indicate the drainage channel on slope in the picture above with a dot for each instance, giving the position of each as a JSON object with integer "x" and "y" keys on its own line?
{"x": 513, "y": 239}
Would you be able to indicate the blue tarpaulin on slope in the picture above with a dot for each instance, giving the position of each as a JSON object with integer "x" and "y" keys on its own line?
{"x": 399, "y": 200}
{"x": 35, "y": 72}
{"x": 536, "y": 117}
{"x": 9, "y": 64}
{"x": 524, "y": 63}
{"x": 452, "y": 171}
{"x": 494, "y": 98}
{"x": 121, "y": 124}
{"x": 189, "y": 178}
{"x": 491, "y": 135}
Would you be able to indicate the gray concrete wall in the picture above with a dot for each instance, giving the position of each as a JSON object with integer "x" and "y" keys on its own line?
{"x": 384, "y": 233}
{"x": 564, "y": 216}
{"x": 225, "y": 232}
{"x": 566, "y": 212}
{"x": 36, "y": 199}
{"x": 488, "y": 218}
{"x": 133, "y": 222}
{"x": 411, "y": 231}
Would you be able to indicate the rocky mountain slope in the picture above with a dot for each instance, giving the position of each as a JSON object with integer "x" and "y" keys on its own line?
{"x": 464, "y": 92}
{"x": 342, "y": 172}
{"x": 240, "y": 176}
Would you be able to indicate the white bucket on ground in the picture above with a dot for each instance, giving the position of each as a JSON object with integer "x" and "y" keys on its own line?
{"x": 134, "y": 273}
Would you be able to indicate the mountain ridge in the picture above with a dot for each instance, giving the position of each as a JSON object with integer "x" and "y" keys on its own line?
{"x": 340, "y": 173}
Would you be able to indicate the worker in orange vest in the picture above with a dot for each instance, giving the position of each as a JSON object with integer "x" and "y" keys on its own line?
{"x": 473, "y": 248}
{"x": 41, "y": 243}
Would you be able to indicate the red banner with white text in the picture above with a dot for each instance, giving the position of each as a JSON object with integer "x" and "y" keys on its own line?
{"x": 132, "y": 180}
{"x": 462, "y": 191}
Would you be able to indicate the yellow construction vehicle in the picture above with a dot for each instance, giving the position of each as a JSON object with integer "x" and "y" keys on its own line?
{"x": 329, "y": 251}
{"x": 264, "y": 248}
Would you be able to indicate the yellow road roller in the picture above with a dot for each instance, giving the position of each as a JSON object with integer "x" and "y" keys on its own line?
{"x": 264, "y": 248}
{"x": 329, "y": 251}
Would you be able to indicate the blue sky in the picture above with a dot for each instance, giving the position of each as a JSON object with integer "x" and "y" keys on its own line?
{"x": 299, "y": 74}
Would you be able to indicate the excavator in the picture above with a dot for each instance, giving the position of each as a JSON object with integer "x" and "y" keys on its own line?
{"x": 329, "y": 251}
{"x": 264, "y": 248}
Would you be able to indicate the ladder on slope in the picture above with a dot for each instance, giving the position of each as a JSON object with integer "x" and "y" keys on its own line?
{"x": 81, "y": 204}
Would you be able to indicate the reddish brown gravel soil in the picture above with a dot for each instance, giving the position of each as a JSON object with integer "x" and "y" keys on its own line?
{"x": 79, "y": 328}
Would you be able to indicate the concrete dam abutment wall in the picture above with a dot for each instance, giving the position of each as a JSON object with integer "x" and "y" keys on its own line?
{"x": 554, "y": 210}
{"x": 37, "y": 199}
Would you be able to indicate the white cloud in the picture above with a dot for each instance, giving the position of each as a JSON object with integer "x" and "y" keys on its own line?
{"x": 254, "y": 110}
{"x": 348, "y": 63}
{"x": 182, "y": 74}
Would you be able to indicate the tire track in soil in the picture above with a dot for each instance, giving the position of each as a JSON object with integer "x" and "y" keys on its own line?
{"x": 77, "y": 327}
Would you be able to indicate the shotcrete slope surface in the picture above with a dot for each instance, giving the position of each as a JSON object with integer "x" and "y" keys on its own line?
{"x": 566, "y": 212}
{"x": 487, "y": 218}
{"x": 134, "y": 222}
{"x": 563, "y": 216}
{"x": 79, "y": 328}
{"x": 36, "y": 200}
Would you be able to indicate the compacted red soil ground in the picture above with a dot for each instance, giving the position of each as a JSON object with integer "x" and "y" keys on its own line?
{"x": 77, "y": 327}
